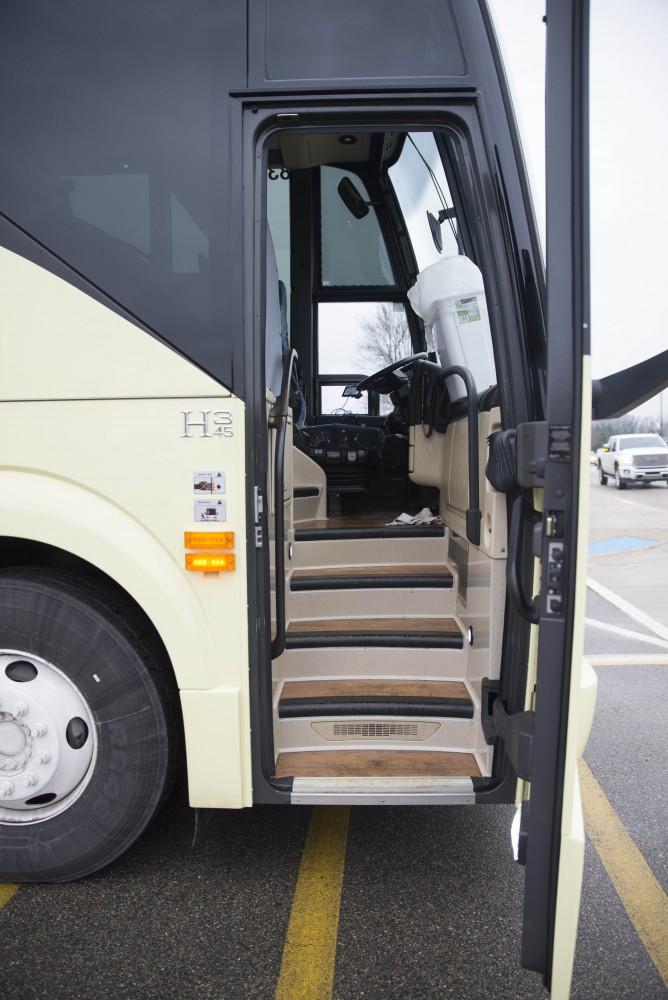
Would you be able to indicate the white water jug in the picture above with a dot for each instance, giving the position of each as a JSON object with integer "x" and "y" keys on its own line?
{"x": 449, "y": 296}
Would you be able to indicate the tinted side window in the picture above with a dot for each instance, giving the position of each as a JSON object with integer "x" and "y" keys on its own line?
{"x": 116, "y": 204}
{"x": 278, "y": 219}
{"x": 115, "y": 155}
{"x": 419, "y": 192}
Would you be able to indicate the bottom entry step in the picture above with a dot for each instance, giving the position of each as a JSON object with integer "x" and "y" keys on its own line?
{"x": 376, "y": 763}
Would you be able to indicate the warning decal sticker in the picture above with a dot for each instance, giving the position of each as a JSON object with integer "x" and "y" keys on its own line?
{"x": 210, "y": 510}
{"x": 208, "y": 483}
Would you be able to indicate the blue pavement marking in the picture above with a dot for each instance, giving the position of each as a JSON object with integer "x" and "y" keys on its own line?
{"x": 623, "y": 543}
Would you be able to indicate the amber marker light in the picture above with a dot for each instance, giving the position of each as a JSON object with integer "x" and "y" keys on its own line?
{"x": 208, "y": 539}
{"x": 210, "y": 562}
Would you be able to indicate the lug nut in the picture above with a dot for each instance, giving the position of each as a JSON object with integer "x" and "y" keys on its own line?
{"x": 39, "y": 729}
{"x": 43, "y": 757}
{"x": 21, "y": 708}
{"x": 30, "y": 779}
{"x": 6, "y": 789}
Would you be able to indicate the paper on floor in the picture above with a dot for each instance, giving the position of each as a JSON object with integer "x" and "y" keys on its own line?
{"x": 423, "y": 516}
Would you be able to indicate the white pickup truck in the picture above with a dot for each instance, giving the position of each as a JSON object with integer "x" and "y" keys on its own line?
{"x": 633, "y": 458}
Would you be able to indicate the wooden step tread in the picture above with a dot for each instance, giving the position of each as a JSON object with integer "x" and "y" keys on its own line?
{"x": 400, "y": 632}
{"x": 423, "y": 570}
{"x": 414, "y": 626}
{"x": 376, "y": 763}
{"x": 371, "y": 577}
{"x": 347, "y": 526}
{"x": 351, "y": 697}
{"x": 371, "y": 520}
{"x": 351, "y": 687}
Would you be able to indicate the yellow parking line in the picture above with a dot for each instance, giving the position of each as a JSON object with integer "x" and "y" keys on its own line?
{"x": 642, "y": 897}
{"x": 6, "y": 893}
{"x": 309, "y": 953}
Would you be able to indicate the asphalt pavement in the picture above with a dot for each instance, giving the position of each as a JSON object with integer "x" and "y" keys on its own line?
{"x": 431, "y": 903}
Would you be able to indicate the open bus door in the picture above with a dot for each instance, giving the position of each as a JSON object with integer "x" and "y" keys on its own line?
{"x": 550, "y": 834}
{"x": 551, "y": 831}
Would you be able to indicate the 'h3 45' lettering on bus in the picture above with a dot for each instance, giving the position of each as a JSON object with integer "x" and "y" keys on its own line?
{"x": 213, "y": 423}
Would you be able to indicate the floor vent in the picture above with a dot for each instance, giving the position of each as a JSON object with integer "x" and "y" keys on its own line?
{"x": 357, "y": 730}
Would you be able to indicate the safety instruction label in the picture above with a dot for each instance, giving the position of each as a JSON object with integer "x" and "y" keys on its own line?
{"x": 468, "y": 310}
{"x": 210, "y": 510}
{"x": 208, "y": 483}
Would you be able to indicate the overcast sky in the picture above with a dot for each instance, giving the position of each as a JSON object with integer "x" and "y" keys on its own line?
{"x": 629, "y": 161}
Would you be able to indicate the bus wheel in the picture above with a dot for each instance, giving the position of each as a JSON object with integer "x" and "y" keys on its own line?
{"x": 88, "y": 727}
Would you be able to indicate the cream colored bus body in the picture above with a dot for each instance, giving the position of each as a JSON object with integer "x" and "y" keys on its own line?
{"x": 95, "y": 462}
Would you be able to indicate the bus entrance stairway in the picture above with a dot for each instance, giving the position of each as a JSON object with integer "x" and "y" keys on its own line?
{"x": 373, "y": 680}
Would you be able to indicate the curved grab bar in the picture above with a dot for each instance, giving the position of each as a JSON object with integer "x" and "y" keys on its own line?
{"x": 279, "y": 420}
{"x": 473, "y": 515}
{"x": 526, "y": 608}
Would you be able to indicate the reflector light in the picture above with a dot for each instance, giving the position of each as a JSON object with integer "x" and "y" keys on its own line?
{"x": 208, "y": 539}
{"x": 210, "y": 562}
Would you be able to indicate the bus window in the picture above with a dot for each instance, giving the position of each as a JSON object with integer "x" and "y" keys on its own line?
{"x": 114, "y": 160}
{"x": 353, "y": 250}
{"x": 117, "y": 204}
{"x": 421, "y": 186}
{"x": 357, "y": 339}
{"x": 189, "y": 244}
{"x": 278, "y": 220}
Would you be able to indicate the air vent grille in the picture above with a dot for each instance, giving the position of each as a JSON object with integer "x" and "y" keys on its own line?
{"x": 408, "y": 730}
{"x": 378, "y": 730}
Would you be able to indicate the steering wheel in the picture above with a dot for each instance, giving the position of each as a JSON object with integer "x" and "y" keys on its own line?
{"x": 386, "y": 380}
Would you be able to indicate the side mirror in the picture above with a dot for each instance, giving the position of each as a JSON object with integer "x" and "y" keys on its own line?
{"x": 353, "y": 391}
{"x": 436, "y": 234}
{"x": 352, "y": 199}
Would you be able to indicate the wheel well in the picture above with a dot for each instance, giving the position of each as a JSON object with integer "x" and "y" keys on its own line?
{"x": 26, "y": 552}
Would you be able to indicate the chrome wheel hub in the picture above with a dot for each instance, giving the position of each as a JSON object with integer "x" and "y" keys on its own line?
{"x": 48, "y": 741}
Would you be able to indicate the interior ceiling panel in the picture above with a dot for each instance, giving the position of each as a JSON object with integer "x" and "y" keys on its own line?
{"x": 301, "y": 151}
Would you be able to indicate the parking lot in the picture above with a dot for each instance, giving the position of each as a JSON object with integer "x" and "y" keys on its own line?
{"x": 430, "y": 899}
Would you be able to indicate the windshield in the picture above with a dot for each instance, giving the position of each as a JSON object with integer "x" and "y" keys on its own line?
{"x": 642, "y": 441}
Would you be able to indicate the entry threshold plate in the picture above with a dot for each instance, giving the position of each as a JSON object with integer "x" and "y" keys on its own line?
{"x": 382, "y": 791}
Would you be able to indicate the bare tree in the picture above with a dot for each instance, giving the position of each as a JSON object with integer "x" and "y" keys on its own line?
{"x": 386, "y": 338}
{"x": 630, "y": 423}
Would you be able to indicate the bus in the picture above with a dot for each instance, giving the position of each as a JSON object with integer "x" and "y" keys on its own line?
{"x": 294, "y": 426}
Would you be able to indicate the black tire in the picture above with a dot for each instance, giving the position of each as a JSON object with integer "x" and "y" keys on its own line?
{"x": 602, "y": 478}
{"x": 619, "y": 482}
{"x": 85, "y": 630}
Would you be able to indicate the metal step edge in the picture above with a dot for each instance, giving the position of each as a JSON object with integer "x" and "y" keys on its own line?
{"x": 382, "y": 791}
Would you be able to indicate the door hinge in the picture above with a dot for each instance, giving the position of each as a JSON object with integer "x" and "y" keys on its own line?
{"x": 516, "y": 731}
{"x": 258, "y": 504}
{"x": 532, "y": 453}
{"x": 258, "y": 510}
